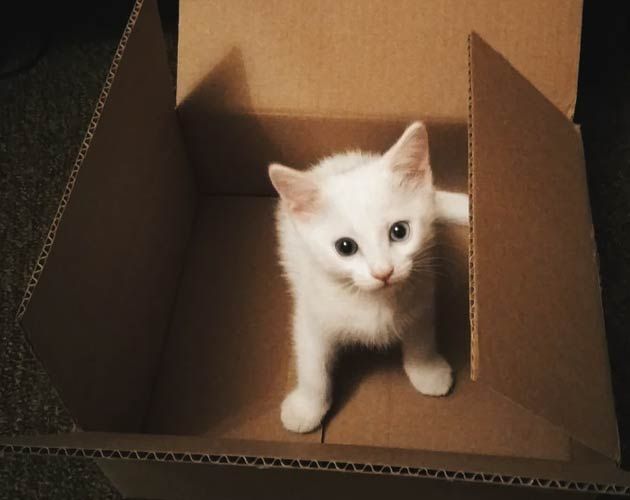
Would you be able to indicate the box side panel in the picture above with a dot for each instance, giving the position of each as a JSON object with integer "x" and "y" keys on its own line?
{"x": 373, "y": 58}
{"x": 101, "y": 307}
{"x": 227, "y": 361}
{"x": 169, "y": 481}
{"x": 241, "y": 147}
{"x": 537, "y": 308}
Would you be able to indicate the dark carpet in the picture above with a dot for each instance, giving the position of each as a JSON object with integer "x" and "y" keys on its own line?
{"x": 52, "y": 65}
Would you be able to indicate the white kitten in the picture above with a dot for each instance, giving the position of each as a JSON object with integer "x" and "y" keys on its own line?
{"x": 355, "y": 234}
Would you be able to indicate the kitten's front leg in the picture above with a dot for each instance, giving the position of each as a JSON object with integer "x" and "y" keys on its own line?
{"x": 304, "y": 408}
{"x": 427, "y": 370}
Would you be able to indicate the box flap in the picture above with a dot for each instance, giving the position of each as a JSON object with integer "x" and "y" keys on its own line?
{"x": 538, "y": 329}
{"x": 376, "y": 58}
{"x": 103, "y": 287}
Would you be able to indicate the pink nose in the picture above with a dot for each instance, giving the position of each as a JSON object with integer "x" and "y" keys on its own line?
{"x": 383, "y": 274}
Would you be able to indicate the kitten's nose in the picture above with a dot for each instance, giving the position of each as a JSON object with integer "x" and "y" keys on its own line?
{"x": 382, "y": 273}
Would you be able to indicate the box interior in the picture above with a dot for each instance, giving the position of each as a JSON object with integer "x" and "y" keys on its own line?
{"x": 180, "y": 284}
{"x": 232, "y": 316}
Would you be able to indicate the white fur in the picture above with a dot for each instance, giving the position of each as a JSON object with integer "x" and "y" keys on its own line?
{"x": 451, "y": 207}
{"x": 337, "y": 299}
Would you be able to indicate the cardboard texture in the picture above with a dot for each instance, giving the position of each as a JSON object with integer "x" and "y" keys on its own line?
{"x": 382, "y": 59}
{"x": 102, "y": 307}
{"x": 224, "y": 373}
{"x": 242, "y": 146}
{"x": 162, "y": 312}
{"x": 603, "y": 476}
{"x": 197, "y": 482}
{"x": 527, "y": 165}
{"x": 326, "y": 59}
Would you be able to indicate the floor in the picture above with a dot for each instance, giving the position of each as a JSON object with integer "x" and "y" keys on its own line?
{"x": 44, "y": 110}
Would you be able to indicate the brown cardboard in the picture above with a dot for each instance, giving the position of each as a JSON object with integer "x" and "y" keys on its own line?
{"x": 142, "y": 479}
{"x": 101, "y": 309}
{"x": 374, "y": 59}
{"x": 178, "y": 331}
{"x": 385, "y": 411}
{"x": 242, "y": 146}
{"x": 604, "y": 476}
{"x": 538, "y": 316}
{"x": 224, "y": 373}
{"x": 250, "y": 64}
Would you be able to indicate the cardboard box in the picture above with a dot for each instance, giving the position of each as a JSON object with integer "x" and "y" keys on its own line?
{"x": 158, "y": 306}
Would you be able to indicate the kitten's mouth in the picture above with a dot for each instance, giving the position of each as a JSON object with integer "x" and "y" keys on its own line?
{"x": 390, "y": 284}
{"x": 383, "y": 286}
{"x": 395, "y": 280}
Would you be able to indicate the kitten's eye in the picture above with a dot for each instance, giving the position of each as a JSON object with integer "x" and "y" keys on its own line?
{"x": 346, "y": 247}
{"x": 399, "y": 231}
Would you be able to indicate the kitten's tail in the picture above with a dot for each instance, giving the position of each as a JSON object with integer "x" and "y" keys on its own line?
{"x": 451, "y": 207}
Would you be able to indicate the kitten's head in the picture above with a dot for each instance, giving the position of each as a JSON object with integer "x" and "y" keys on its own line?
{"x": 364, "y": 218}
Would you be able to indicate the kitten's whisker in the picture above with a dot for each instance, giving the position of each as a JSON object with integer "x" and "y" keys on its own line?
{"x": 432, "y": 274}
{"x": 423, "y": 268}
{"x": 428, "y": 263}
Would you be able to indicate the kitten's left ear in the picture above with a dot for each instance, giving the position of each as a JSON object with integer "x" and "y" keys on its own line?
{"x": 410, "y": 155}
{"x": 296, "y": 188}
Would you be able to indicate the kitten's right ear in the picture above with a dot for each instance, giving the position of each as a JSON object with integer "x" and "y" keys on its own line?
{"x": 296, "y": 188}
{"x": 409, "y": 157}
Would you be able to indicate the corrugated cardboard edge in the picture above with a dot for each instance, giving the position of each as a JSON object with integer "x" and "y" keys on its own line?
{"x": 321, "y": 465}
{"x": 474, "y": 344}
{"x": 78, "y": 162}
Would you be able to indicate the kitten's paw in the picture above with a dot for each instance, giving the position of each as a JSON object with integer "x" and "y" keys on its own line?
{"x": 432, "y": 378}
{"x": 301, "y": 412}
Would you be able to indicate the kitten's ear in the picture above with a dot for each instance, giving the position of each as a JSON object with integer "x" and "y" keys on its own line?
{"x": 410, "y": 155}
{"x": 296, "y": 188}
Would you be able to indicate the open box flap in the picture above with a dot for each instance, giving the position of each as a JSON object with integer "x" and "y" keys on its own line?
{"x": 377, "y": 58}
{"x": 537, "y": 320}
{"x": 98, "y": 304}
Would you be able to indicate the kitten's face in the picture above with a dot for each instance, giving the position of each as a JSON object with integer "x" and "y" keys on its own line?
{"x": 365, "y": 218}
{"x": 370, "y": 229}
